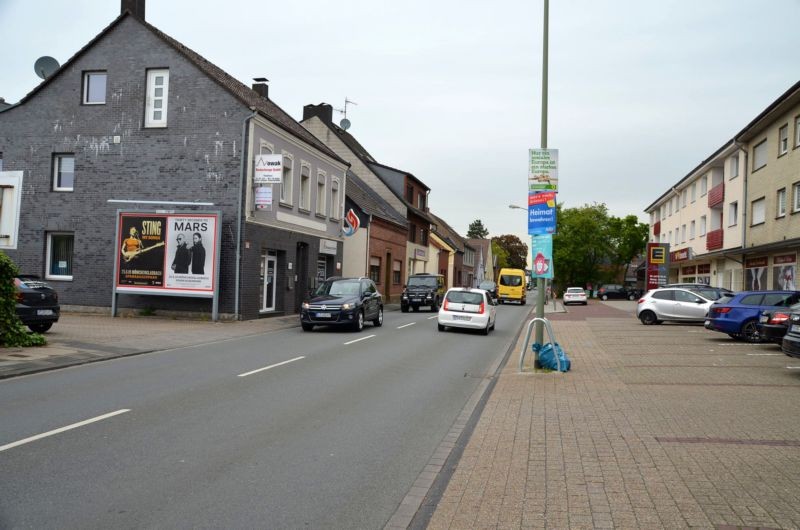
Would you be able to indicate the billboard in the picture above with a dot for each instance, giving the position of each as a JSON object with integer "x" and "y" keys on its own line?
{"x": 657, "y": 265}
{"x": 168, "y": 254}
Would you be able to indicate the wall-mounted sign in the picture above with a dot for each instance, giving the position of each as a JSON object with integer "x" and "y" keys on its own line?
{"x": 268, "y": 169}
{"x": 351, "y": 223}
{"x": 542, "y": 213}
{"x": 680, "y": 255}
{"x": 657, "y": 265}
{"x": 264, "y": 198}
{"x": 328, "y": 246}
{"x": 542, "y": 170}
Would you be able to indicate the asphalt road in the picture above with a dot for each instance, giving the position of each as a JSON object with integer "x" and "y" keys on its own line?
{"x": 288, "y": 429}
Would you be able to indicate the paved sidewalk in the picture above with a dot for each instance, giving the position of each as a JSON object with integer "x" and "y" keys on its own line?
{"x": 667, "y": 426}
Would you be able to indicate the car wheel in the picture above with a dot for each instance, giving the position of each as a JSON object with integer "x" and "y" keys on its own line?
{"x": 485, "y": 331}
{"x": 358, "y": 324}
{"x": 41, "y": 327}
{"x": 586, "y": 303}
{"x": 648, "y": 318}
{"x": 750, "y": 332}
{"x": 493, "y": 324}
{"x": 631, "y": 297}
{"x": 441, "y": 327}
{"x": 522, "y": 302}
{"x": 307, "y": 327}
{"x": 404, "y": 308}
{"x": 604, "y": 297}
{"x": 378, "y": 322}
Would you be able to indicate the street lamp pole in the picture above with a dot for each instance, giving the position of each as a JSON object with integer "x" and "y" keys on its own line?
{"x": 540, "y": 281}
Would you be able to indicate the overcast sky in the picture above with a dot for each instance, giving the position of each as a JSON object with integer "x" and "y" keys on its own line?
{"x": 450, "y": 90}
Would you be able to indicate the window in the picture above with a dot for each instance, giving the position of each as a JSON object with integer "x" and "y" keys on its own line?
{"x": 321, "y": 193}
{"x": 796, "y": 197}
{"x": 94, "y": 88}
{"x": 59, "y": 256}
{"x": 694, "y": 191}
{"x": 684, "y": 194}
{"x": 375, "y": 269}
{"x": 397, "y": 272}
{"x": 704, "y": 185}
{"x": 421, "y": 201}
{"x": 10, "y": 202}
{"x": 670, "y": 206}
{"x": 797, "y": 131}
{"x": 286, "y": 180}
{"x": 760, "y": 155}
{"x": 410, "y": 194}
{"x": 692, "y": 230}
{"x": 156, "y": 102}
{"x": 757, "y": 214}
{"x": 735, "y": 166}
{"x": 702, "y": 225}
{"x": 1, "y": 161}
{"x": 780, "y": 203}
{"x": 412, "y": 232}
{"x": 733, "y": 213}
{"x": 336, "y": 208}
{"x": 423, "y": 237}
{"x": 783, "y": 140}
{"x": 63, "y": 172}
{"x": 305, "y": 186}
{"x": 683, "y": 234}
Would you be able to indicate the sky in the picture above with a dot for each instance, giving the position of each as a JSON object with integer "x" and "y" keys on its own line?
{"x": 451, "y": 90}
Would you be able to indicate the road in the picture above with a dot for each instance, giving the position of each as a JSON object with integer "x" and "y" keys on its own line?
{"x": 287, "y": 429}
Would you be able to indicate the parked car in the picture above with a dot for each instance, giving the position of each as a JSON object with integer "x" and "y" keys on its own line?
{"x": 616, "y": 292}
{"x": 37, "y": 303}
{"x": 467, "y": 308}
{"x": 738, "y": 315}
{"x": 422, "y": 290}
{"x": 343, "y": 302}
{"x": 704, "y": 289}
{"x": 490, "y": 287}
{"x": 773, "y": 324}
{"x": 791, "y": 341}
{"x": 678, "y": 305}
{"x": 511, "y": 286}
{"x": 574, "y": 295}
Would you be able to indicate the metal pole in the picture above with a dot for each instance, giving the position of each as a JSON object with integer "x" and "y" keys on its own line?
{"x": 540, "y": 281}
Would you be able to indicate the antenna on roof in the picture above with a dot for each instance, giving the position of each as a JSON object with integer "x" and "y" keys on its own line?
{"x": 45, "y": 66}
{"x": 345, "y": 123}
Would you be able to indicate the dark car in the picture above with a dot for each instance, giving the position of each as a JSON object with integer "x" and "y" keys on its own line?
{"x": 714, "y": 293}
{"x": 343, "y": 302}
{"x": 490, "y": 287}
{"x": 617, "y": 292}
{"x": 37, "y": 303}
{"x": 774, "y": 323}
{"x": 791, "y": 341}
{"x": 423, "y": 290}
{"x": 738, "y": 315}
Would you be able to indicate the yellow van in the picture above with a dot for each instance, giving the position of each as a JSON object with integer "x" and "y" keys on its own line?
{"x": 511, "y": 286}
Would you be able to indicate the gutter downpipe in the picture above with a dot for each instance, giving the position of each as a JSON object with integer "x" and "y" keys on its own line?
{"x": 239, "y": 213}
{"x": 744, "y": 212}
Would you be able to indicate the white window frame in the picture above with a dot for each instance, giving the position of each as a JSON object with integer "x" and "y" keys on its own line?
{"x": 797, "y": 131}
{"x": 684, "y": 194}
{"x": 780, "y": 203}
{"x": 760, "y": 155}
{"x": 692, "y": 230}
{"x": 703, "y": 185}
{"x": 734, "y": 166}
{"x": 305, "y": 186}
{"x": 48, "y": 275}
{"x": 796, "y": 197}
{"x": 56, "y": 170}
{"x": 152, "y": 99}
{"x": 86, "y": 79}
{"x": 694, "y": 191}
{"x": 322, "y": 193}
{"x": 10, "y": 207}
{"x": 783, "y": 140}
{"x": 733, "y": 213}
{"x": 702, "y": 225}
{"x": 288, "y": 172}
{"x": 683, "y": 234}
{"x": 758, "y": 213}
{"x": 335, "y": 198}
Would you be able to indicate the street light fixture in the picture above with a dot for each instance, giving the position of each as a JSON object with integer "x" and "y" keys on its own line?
{"x": 515, "y": 207}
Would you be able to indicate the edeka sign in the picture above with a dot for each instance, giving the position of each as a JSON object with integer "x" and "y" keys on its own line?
{"x": 657, "y": 265}
{"x": 542, "y": 256}
{"x": 542, "y": 213}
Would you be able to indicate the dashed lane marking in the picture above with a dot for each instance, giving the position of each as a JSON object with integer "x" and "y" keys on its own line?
{"x": 406, "y": 325}
{"x": 271, "y": 366}
{"x": 62, "y": 429}
{"x": 358, "y": 340}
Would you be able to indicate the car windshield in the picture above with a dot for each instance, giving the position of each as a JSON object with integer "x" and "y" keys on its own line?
{"x": 486, "y": 286}
{"x": 574, "y": 290}
{"x": 338, "y": 288}
{"x": 724, "y": 299}
{"x": 510, "y": 280}
{"x": 429, "y": 281}
{"x": 464, "y": 297}
{"x": 707, "y": 292}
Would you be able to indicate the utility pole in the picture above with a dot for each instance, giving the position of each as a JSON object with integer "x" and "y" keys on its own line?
{"x": 540, "y": 281}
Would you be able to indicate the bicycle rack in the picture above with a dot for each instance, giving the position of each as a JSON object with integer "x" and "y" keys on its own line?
{"x": 528, "y": 338}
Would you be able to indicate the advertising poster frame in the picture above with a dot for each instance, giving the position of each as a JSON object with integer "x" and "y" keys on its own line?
{"x": 657, "y": 265}
{"x": 167, "y": 253}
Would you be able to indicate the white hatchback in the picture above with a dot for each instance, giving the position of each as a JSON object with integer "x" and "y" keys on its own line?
{"x": 680, "y": 305}
{"x": 467, "y": 308}
{"x": 574, "y": 295}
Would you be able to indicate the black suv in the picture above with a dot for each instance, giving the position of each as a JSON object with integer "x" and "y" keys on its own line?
{"x": 618, "y": 292}
{"x": 343, "y": 302}
{"x": 423, "y": 290}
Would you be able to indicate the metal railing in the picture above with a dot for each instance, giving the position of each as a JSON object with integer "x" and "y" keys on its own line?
{"x": 550, "y": 334}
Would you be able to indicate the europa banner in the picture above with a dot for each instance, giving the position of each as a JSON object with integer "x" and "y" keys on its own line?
{"x": 167, "y": 253}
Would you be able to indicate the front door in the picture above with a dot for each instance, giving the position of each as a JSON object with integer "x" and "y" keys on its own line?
{"x": 268, "y": 267}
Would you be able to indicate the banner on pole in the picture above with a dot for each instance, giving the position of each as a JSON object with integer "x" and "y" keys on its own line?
{"x": 542, "y": 213}
{"x": 542, "y": 256}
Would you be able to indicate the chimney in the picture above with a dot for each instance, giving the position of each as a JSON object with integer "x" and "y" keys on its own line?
{"x": 323, "y": 111}
{"x": 261, "y": 87}
{"x": 136, "y": 7}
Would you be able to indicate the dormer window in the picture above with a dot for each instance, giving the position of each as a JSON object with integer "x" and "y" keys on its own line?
{"x": 156, "y": 103}
{"x": 94, "y": 88}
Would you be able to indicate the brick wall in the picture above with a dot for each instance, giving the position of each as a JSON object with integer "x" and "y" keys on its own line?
{"x": 386, "y": 238}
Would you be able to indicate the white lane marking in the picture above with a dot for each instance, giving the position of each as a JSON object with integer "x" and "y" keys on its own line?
{"x": 434, "y": 316}
{"x": 62, "y": 429}
{"x": 405, "y": 325}
{"x": 763, "y": 354}
{"x": 358, "y": 340}
{"x": 271, "y": 366}
{"x": 793, "y": 367}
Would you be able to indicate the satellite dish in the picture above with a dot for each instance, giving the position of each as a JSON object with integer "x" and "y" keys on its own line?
{"x": 344, "y": 124}
{"x": 45, "y": 66}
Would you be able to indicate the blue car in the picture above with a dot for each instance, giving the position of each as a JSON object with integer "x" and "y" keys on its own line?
{"x": 738, "y": 315}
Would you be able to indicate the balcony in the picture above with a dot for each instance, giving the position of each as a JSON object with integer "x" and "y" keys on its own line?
{"x": 657, "y": 228}
{"x": 716, "y": 195}
{"x": 714, "y": 239}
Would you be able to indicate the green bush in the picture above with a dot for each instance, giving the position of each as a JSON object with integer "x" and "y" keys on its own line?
{"x": 12, "y": 331}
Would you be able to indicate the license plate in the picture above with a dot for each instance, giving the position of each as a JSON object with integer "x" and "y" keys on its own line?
{"x": 44, "y": 312}
{"x": 795, "y": 328}
{"x": 459, "y": 317}
{"x": 323, "y": 315}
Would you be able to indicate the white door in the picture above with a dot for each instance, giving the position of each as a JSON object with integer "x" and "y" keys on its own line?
{"x": 268, "y": 266}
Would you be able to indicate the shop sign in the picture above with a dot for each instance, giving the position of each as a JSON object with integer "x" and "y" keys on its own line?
{"x": 679, "y": 255}
{"x": 268, "y": 169}
{"x": 657, "y": 265}
{"x": 788, "y": 258}
{"x": 752, "y": 263}
{"x": 691, "y": 269}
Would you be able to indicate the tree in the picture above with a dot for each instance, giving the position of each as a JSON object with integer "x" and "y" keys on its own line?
{"x": 627, "y": 239}
{"x": 477, "y": 230}
{"x": 515, "y": 249}
{"x": 500, "y": 254}
{"x": 12, "y": 332}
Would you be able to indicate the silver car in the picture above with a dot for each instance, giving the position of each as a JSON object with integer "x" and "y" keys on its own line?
{"x": 681, "y": 305}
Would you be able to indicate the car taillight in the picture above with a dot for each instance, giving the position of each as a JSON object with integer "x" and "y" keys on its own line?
{"x": 445, "y": 304}
{"x": 482, "y": 308}
{"x": 723, "y": 310}
{"x": 779, "y": 318}
{"x": 641, "y": 300}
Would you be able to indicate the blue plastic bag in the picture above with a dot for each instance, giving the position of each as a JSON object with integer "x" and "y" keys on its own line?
{"x": 547, "y": 356}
